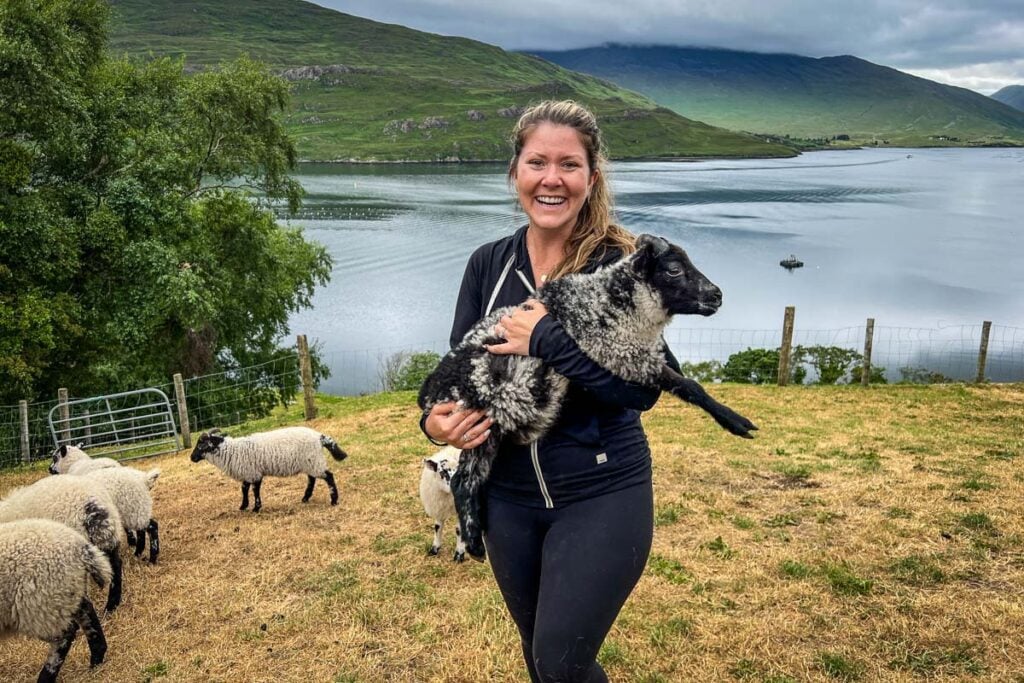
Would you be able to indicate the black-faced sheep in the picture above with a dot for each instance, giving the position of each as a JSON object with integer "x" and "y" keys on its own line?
{"x": 278, "y": 453}
{"x": 80, "y": 505}
{"x": 44, "y": 571}
{"x": 436, "y": 495}
{"x": 73, "y": 460}
{"x": 616, "y": 316}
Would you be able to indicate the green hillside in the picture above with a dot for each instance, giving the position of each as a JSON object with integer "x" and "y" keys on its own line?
{"x": 801, "y": 96}
{"x": 364, "y": 90}
{"x": 1012, "y": 95}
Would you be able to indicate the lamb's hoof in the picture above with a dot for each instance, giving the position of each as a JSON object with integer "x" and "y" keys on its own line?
{"x": 434, "y": 550}
{"x": 459, "y": 557}
{"x": 257, "y": 508}
{"x": 334, "y": 501}
{"x": 305, "y": 500}
{"x": 243, "y": 507}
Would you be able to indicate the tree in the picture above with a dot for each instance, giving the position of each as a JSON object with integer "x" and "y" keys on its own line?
{"x": 136, "y": 232}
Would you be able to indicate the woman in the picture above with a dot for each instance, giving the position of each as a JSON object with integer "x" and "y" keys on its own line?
{"x": 569, "y": 519}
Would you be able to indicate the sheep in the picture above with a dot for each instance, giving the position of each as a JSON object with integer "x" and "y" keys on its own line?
{"x": 73, "y": 460}
{"x": 277, "y": 453}
{"x": 616, "y": 316}
{"x": 74, "y": 502}
{"x": 44, "y": 573}
{"x": 129, "y": 489}
{"x": 436, "y": 494}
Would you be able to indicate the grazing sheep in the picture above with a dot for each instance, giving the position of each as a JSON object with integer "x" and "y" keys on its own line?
{"x": 436, "y": 494}
{"x": 616, "y": 316}
{"x": 278, "y": 453}
{"x": 77, "y": 504}
{"x": 129, "y": 489}
{"x": 44, "y": 573}
{"x": 73, "y": 460}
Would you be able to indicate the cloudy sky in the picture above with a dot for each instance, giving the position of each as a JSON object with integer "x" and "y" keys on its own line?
{"x": 977, "y": 44}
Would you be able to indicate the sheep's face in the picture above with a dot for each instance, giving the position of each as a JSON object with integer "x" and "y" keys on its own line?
{"x": 667, "y": 269}
{"x": 59, "y": 461}
{"x": 207, "y": 444}
{"x": 444, "y": 471}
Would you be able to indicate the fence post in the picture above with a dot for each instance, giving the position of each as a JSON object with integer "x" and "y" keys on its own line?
{"x": 787, "y": 344}
{"x": 26, "y": 453}
{"x": 983, "y": 350}
{"x": 869, "y": 338}
{"x": 65, "y": 413}
{"x": 183, "y": 424}
{"x": 307, "y": 377}
{"x": 88, "y": 429}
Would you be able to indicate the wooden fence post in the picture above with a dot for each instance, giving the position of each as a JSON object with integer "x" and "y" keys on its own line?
{"x": 983, "y": 350}
{"x": 26, "y": 453}
{"x": 869, "y": 338}
{"x": 306, "y": 369}
{"x": 183, "y": 424}
{"x": 65, "y": 414}
{"x": 88, "y": 429}
{"x": 787, "y": 345}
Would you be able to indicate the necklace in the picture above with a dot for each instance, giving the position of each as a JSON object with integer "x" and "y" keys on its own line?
{"x": 542, "y": 273}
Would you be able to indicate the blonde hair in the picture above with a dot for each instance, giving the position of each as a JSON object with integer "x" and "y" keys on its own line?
{"x": 594, "y": 231}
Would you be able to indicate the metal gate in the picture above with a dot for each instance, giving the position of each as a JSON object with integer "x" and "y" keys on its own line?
{"x": 132, "y": 424}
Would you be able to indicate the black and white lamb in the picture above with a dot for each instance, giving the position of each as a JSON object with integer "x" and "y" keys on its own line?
{"x": 436, "y": 496}
{"x": 80, "y": 505}
{"x": 278, "y": 453}
{"x": 73, "y": 460}
{"x": 129, "y": 489}
{"x": 45, "y": 568}
{"x": 616, "y": 316}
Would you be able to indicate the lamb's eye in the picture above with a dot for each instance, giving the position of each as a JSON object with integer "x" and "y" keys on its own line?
{"x": 674, "y": 271}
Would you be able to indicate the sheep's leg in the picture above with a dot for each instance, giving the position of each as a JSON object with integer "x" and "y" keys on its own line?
{"x": 130, "y": 535}
{"x": 58, "y": 653}
{"x": 245, "y": 496}
{"x": 154, "y": 540}
{"x": 93, "y": 632}
{"x": 468, "y": 490}
{"x": 692, "y": 392}
{"x": 329, "y": 478}
{"x": 114, "y": 596}
{"x": 140, "y": 543}
{"x": 460, "y": 547}
{"x": 256, "y": 495}
{"x": 435, "y": 547}
{"x": 309, "y": 488}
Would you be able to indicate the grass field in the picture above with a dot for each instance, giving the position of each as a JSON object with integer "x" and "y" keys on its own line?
{"x": 866, "y": 534}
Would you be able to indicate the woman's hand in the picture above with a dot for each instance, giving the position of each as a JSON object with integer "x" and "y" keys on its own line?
{"x": 456, "y": 426}
{"x": 516, "y": 328}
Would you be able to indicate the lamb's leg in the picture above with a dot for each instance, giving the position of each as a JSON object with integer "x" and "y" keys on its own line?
{"x": 140, "y": 543}
{"x": 58, "y": 653}
{"x": 256, "y": 495}
{"x": 245, "y": 496}
{"x": 460, "y": 547}
{"x": 692, "y": 392}
{"x": 154, "y": 540}
{"x": 329, "y": 478}
{"x": 114, "y": 596}
{"x": 130, "y": 535}
{"x": 435, "y": 547}
{"x": 93, "y": 632}
{"x": 310, "y": 480}
{"x": 468, "y": 490}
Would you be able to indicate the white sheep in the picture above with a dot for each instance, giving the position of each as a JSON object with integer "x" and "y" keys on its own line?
{"x": 73, "y": 460}
{"x": 79, "y": 504}
{"x": 436, "y": 494}
{"x": 278, "y": 453}
{"x": 129, "y": 489}
{"x": 44, "y": 572}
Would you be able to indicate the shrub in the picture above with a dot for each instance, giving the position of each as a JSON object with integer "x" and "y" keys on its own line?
{"x": 704, "y": 372}
{"x": 753, "y": 366}
{"x": 832, "y": 363}
{"x": 404, "y": 371}
{"x": 912, "y": 375}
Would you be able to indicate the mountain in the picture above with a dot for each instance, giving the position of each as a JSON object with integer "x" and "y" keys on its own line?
{"x": 802, "y": 96}
{"x": 1012, "y": 95}
{"x": 364, "y": 90}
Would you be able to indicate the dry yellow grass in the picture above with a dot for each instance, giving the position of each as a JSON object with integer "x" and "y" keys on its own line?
{"x": 865, "y": 534}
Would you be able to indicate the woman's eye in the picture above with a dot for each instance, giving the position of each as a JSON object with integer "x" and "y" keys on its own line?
{"x": 536, "y": 163}
{"x": 570, "y": 165}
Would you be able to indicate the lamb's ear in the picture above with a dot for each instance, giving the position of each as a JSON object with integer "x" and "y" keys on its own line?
{"x": 63, "y": 450}
{"x": 648, "y": 249}
{"x": 430, "y": 463}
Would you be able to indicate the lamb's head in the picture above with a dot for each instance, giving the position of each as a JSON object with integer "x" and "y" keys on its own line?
{"x": 209, "y": 443}
{"x": 667, "y": 270}
{"x": 64, "y": 457}
{"x": 444, "y": 471}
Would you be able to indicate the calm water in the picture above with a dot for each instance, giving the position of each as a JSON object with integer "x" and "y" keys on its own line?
{"x": 912, "y": 238}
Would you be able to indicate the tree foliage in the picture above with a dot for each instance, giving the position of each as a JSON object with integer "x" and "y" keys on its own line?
{"x": 136, "y": 236}
{"x": 404, "y": 371}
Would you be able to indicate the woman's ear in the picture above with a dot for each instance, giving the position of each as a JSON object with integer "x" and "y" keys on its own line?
{"x": 593, "y": 180}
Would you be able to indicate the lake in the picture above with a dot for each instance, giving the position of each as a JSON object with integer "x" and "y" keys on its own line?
{"x": 926, "y": 242}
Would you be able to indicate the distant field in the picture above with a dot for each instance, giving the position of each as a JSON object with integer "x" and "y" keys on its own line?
{"x": 866, "y": 534}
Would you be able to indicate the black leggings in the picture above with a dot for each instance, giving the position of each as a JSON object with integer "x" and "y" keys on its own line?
{"x": 566, "y": 572}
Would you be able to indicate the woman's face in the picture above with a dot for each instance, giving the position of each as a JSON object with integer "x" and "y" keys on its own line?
{"x": 553, "y": 178}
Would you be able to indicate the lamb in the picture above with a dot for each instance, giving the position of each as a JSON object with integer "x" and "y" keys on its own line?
{"x": 436, "y": 494}
{"x": 44, "y": 573}
{"x": 129, "y": 489}
{"x": 616, "y": 315}
{"x": 80, "y": 505}
{"x": 73, "y": 460}
{"x": 278, "y": 453}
